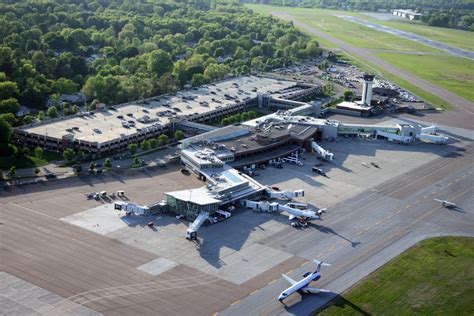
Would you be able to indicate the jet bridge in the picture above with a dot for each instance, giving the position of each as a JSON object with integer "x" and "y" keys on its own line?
{"x": 191, "y": 233}
{"x": 326, "y": 155}
{"x": 284, "y": 194}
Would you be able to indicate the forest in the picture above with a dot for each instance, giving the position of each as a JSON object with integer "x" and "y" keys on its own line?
{"x": 116, "y": 51}
{"x": 443, "y": 13}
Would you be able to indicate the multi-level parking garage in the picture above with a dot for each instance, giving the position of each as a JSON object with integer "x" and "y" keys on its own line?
{"x": 109, "y": 129}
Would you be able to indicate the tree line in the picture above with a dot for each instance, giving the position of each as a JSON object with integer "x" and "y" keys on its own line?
{"x": 117, "y": 51}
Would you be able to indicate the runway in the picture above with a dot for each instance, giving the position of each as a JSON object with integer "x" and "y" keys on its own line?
{"x": 369, "y": 230}
{"x": 461, "y": 114}
{"x": 454, "y": 51}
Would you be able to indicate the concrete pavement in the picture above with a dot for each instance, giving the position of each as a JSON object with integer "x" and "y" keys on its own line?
{"x": 369, "y": 230}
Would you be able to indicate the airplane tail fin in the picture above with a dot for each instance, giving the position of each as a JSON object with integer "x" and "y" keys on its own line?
{"x": 320, "y": 264}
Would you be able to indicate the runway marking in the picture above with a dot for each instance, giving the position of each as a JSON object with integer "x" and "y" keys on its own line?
{"x": 33, "y": 211}
{"x": 235, "y": 303}
{"x": 271, "y": 282}
{"x": 253, "y": 292}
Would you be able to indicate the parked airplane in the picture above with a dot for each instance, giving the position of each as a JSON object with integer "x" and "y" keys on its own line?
{"x": 305, "y": 215}
{"x": 302, "y": 285}
{"x": 446, "y": 204}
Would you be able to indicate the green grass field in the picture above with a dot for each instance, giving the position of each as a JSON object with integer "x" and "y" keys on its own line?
{"x": 455, "y": 74}
{"x": 355, "y": 34}
{"x": 451, "y": 73}
{"x": 435, "y": 277}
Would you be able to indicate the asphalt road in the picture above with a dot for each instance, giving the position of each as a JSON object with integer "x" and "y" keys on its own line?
{"x": 411, "y": 36}
{"x": 367, "y": 231}
{"x": 463, "y": 109}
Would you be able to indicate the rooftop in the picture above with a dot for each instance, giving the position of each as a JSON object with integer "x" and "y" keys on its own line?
{"x": 108, "y": 125}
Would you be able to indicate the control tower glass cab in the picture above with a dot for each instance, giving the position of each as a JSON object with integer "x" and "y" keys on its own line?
{"x": 367, "y": 89}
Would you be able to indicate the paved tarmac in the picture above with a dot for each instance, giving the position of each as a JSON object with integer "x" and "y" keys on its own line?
{"x": 458, "y": 52}
{"x": 463, "y": 108}
{"x": 115, "y": 274}
{"x": 365, "y": 232}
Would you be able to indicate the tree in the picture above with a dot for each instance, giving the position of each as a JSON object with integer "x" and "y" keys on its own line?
{"x": 12, "y": 172}
{"x": 28, "y": 119}
{"x": 179, "y": 135}
{"x": 199, "y": 79}
{"x": 153, "y": 142}
{"x": 40, "y": 115}
{"x": 108, "y": 163}
{"x": 6, "y": 131}
{"x": 163, "y": 139}
{"x": 159, "y": 62}
{"x": 8, "y": 89}
{"x": 136, "y": 162}
{"x": 52, "y": 111}
{"x": 145, "y": 145}
{"x": 10, "y": 105}
{"x": 39, "y": 152}
{"x": 81, "y": 156}
{"x": 91, "y": 167}
{"x": 74, "y": 109}
{"x": 69, "y": 154}
{"x": 225, "y": 121}
{"x": 348, "y": 95}
{"x": 63, "y": 85}
{"x": 132, "y": 148}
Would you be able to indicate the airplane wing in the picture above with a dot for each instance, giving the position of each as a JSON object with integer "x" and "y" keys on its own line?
{"x": 292, "y": 282}
{"x": 291, "y": 217}
{"x": 313, "y": 289}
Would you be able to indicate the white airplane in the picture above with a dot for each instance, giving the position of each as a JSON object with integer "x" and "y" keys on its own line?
{"x": 305, "y": 215}
{"x": 446, "y": 203}
{"x": 302, "y": 285}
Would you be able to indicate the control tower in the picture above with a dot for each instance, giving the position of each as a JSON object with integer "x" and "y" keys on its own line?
{"x": 367, "y": 89}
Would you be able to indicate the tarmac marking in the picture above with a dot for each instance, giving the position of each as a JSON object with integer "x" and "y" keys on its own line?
{"x": 289, "y": 271}
{"x": 33, "y": 211}
{"x": 252, "y": 293}
{"x": 235, "y": 303}
{"x": 417, "y": 201}
{"x": 215, "y": 314}
{"x": 304, "y": 263}
{"x": 271, "y": 282}
{"x": 398, "y": 211}
{"x": 332, "y": 247}
{"x": 389, "y": 216}
{"x": 449, "y": 183}
{"x": 425, "y": 197}
{"x": 366, "y": 229}
{"x": 378, "y": 222}
{"x": 408, "y": 206}
{"x": 456, "y": 180}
